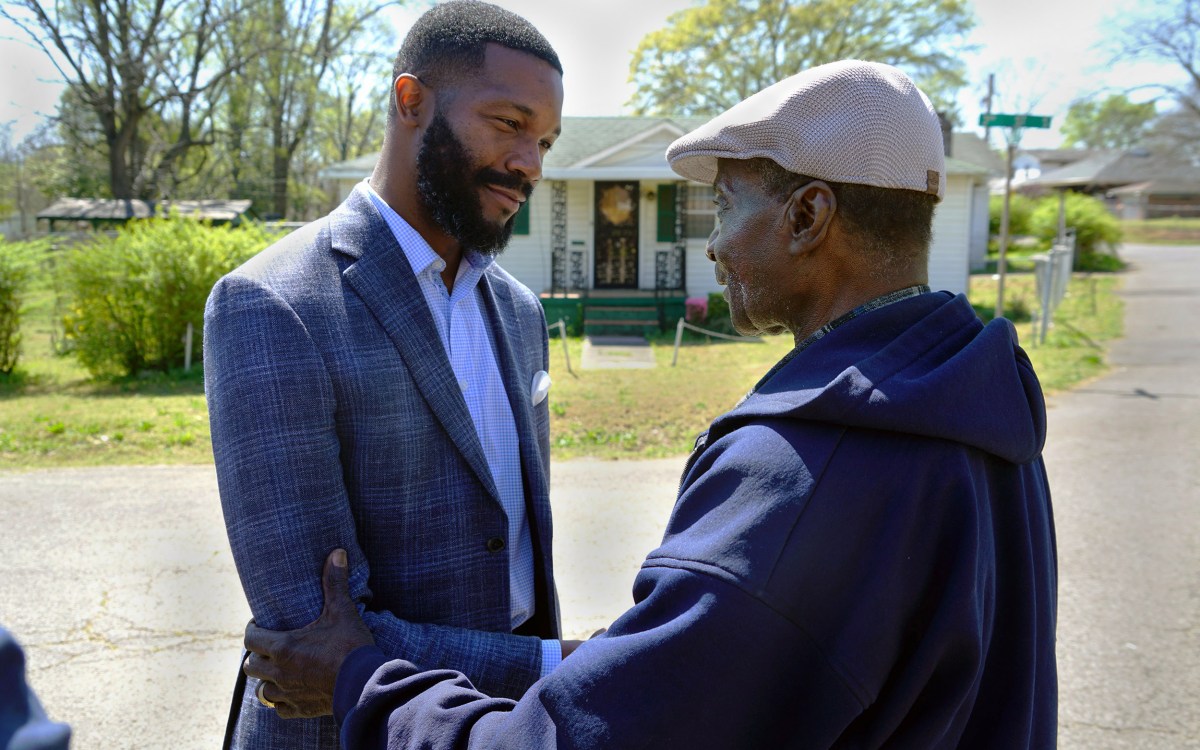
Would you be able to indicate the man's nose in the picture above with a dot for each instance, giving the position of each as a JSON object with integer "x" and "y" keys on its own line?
{"x": 526, "y": 160}
{"x": 708, "y": 247}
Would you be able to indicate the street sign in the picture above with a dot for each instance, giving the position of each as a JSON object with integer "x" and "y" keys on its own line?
{"x": 1014, "y": 121}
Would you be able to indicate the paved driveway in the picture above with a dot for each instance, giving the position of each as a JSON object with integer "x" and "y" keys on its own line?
{"x": 119, "y": 580}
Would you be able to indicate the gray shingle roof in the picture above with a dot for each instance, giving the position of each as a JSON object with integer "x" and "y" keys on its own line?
{"x": 1112, "y": 168}
{"x": 583, "y": 137}
{"x": 101, "y": 209}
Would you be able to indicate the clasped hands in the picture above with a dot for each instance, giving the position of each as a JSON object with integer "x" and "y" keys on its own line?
{"x": 298, "y": 668}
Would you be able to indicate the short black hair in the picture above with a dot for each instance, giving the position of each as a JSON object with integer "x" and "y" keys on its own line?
{"x": 894, "y": 225}
{"x": 451, "y": 39}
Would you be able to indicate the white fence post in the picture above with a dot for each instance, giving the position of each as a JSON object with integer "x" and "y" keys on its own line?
{"x": 187, "y": 349}
{"x": 678, "y": 339}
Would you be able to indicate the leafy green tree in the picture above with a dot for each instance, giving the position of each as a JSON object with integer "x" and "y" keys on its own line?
{"x": 129, "y": 298}
{"x": 1096, "y": 229}
{"x": 710, "y": 57}
{"x": 1020, "y": 211}
{"x": 17, "y": 263}
{"x": 1115, "y": 123}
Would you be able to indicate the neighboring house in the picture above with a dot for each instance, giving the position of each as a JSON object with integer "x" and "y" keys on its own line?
{"x": 102, "y": 213}
{"x": 970, "y": 148}
{"x": 1135, "y": 184}
{"x": 1029, "y": 164}
{"x": 612, "y": 226}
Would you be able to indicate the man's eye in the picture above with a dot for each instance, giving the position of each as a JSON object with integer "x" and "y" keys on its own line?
{"x": 510, "y": 123}
{"x": 546, "y": 145}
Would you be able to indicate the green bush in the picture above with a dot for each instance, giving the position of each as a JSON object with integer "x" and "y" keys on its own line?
{"x": 1096, "y": 230}
{"x": 718, "y": 315}
{"x": 17, "y": 262}
{"x": 130, "y": 298}
{"x": 1020, "y": 211}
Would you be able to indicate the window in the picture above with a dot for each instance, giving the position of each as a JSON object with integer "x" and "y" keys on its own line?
{"x": 701, "y": 212}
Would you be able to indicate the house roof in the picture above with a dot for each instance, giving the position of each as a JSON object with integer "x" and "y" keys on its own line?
{"x": 1159, "y": 187}
{"x": 971, "y": 149}
{"x": 97, "y": 209}
{"x": 624, "y": 148}
{"x": 1107, "y": 169}
{"x": 1052, "y": 157}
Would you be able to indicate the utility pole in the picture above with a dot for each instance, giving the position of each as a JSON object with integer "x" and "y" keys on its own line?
{"x": 1001, "y": 265}
{"x": 1014, "y": 123}
{"x": 987, "y": 103}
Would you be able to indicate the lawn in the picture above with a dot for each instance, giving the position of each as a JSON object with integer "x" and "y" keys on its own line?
{"x": 1173, "y": 231}
{"x": 1089, "y": 317}
{"x": 53, "y": 414}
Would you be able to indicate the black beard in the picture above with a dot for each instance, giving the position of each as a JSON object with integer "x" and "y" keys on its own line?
{"x": 449, "y": 190}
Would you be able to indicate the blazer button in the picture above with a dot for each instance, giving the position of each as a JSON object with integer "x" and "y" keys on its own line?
{"x": 495, "y": 544}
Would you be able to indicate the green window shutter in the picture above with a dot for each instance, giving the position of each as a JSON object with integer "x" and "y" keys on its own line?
{"x": 666, "y": 213}
{"x": 521, "y": 220}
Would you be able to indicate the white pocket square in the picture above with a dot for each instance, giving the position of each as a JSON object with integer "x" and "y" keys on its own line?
{"x": 541, "y": 387}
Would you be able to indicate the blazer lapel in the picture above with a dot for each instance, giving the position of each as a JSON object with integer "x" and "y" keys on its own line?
{"x": 383, "y": 278}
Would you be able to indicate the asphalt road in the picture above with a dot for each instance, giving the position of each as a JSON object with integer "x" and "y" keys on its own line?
{"x": 119, "y": 581}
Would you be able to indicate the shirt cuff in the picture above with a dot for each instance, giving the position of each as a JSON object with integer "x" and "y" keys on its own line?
{"x": 551, "y": 656}
{"x": 352, "y": 677}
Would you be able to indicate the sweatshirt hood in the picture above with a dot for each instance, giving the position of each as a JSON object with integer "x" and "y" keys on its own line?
{"x": 924, "y": 366}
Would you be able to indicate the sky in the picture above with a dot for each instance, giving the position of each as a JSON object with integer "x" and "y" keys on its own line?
{"x": 1043, "y": 53}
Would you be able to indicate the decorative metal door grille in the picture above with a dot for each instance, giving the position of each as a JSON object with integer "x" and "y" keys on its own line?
{"x": 558, "y": 237}
{"x": 670, "y": 266}
{"x": 616, "y": 249}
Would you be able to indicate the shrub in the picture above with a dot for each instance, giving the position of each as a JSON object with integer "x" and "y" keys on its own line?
{"x": 1096, "y": 230}
{"x": 131, "y": 297}
{"x": 1020, "y": 211}
{"x": 17, "y": 261}
{"x": 718, "y": 315}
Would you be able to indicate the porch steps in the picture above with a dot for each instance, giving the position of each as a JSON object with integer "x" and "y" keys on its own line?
{"x": 619, "y": 317}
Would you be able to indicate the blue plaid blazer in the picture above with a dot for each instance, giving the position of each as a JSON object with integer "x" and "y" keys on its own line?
{"x": 337, "y": 422}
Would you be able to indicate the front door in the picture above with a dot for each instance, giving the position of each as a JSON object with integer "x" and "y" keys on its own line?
{"x": 616, "y": 235}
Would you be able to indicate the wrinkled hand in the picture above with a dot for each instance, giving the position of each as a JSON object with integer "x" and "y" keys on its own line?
{"x": 300, "y": 666}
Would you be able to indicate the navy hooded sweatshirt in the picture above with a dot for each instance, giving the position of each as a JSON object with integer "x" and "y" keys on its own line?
{"x": 862, "y": 555}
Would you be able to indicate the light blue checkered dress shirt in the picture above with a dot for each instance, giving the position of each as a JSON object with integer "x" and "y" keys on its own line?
{"x": 472, "y": 354}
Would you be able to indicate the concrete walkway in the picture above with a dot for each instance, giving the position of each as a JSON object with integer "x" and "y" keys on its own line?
{"x": 1123, "y": 455}
{"x": 119, "y": 580}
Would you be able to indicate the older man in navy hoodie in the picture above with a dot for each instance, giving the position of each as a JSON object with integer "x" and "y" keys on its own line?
{"x": 862, "y": 552}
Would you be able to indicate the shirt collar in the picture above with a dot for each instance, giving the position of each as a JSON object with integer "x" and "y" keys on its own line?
{"x": 875, "y": 304}
{"x": 421, "y": 255}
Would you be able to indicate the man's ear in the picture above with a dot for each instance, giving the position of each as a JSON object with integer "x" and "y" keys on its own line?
{"x": 412, "y": 98}
{"x": 810, "y": 210}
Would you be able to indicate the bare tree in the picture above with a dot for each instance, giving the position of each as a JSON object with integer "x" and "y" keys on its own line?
{"x": 131, "y": 62}
{"x": 1171, "y": 34}
{"x": 316, "y": 34}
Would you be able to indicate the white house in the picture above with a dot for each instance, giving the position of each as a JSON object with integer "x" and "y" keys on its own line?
{"x": 611, "y": 224}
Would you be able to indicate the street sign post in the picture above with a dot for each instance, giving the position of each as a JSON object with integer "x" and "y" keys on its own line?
{"x": 1014, "y": 123}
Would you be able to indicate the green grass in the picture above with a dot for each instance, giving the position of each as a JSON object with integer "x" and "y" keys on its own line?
{"x": 1162, "y": 231}
{"x": 1089, "y": 316}
{"x": 53, "y": 414}
{"x": 652, "y": 412}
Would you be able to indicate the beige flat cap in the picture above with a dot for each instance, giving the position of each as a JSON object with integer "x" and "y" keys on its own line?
{"x": 849, "y": 121}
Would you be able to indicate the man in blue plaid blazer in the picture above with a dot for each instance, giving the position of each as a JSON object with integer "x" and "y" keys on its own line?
{"x": 376, "y": 382}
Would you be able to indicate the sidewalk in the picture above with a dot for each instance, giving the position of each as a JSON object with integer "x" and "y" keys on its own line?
{"x": 1124, "y": 471}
